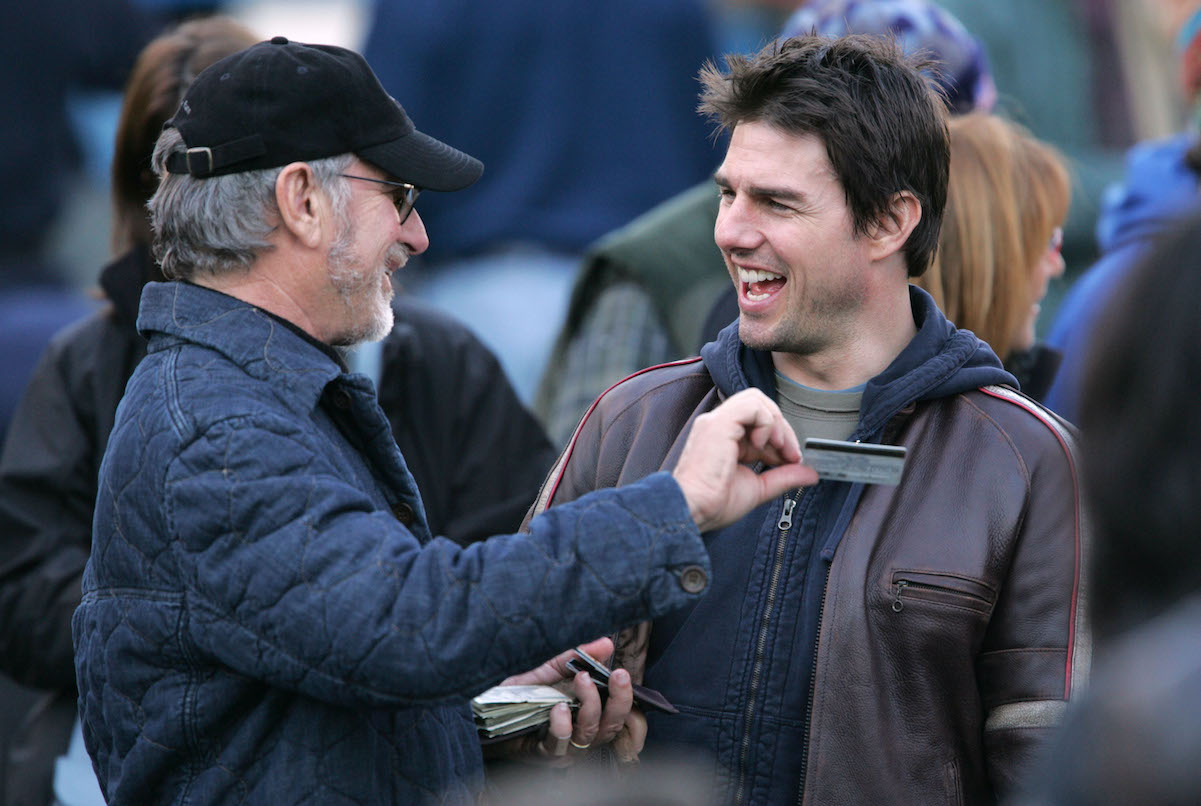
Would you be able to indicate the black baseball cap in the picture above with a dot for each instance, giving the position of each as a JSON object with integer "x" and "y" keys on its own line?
{"x": 279, "y": 102}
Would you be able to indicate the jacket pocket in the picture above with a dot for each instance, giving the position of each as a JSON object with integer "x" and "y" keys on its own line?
{"x": 954, "y": 788}
{"x": 941, "y": 587}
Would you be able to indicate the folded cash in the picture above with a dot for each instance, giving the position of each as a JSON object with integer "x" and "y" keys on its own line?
{"x": 508, "y": 710}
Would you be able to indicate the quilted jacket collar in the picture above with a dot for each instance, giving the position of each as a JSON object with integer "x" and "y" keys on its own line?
{"x": 176, "y": 312}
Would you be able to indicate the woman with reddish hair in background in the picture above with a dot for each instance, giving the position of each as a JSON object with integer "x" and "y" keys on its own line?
{"x": 1007, "y": 199}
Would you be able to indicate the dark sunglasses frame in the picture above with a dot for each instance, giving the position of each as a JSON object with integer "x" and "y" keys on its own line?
{"x": 404, "y": 195}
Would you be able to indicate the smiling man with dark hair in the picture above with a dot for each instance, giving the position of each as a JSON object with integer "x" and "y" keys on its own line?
{"x": 863, "y": 642}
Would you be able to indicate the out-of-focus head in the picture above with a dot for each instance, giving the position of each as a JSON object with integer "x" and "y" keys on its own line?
{"x": 883, "y": 127}
{"x": 1044, "y": 196}
{"x": 1172, "y": 14}
{"x": 1007, "y": 198}
{"x": 1188, "y": 45}
{"x": 962, "y": 70}
{"x": 250, "y": 115}
{"x": 162, "y": 74}
{"x": 1140, "y": 419}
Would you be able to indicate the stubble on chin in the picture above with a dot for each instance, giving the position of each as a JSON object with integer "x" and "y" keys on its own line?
{"x": 372, "y": 325}
{"x": 824, "y": 320}
{"x": 779, "y": 339}
{"x": 360, "y": 288}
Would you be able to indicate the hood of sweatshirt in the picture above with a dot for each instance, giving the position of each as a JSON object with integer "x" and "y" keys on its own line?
{"x": 940, "y": 361}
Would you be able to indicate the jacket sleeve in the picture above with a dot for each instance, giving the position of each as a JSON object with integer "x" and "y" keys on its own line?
{"x": 47, "y": 491}
{"x": 292, "y": 575}
{"x": 1037, "y": 652}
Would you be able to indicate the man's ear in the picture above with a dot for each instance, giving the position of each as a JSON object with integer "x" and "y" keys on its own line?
{"x": 303, "y": 207}
{"x": 895, "y": 224}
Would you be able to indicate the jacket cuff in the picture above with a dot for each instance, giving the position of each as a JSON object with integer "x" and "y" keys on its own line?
{"x": 677, "y": 561}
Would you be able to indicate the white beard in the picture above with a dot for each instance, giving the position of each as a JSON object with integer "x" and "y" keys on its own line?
{"x": 366, "y": 292}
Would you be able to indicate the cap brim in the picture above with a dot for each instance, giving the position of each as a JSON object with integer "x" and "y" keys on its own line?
{"x": 425, "y": 162}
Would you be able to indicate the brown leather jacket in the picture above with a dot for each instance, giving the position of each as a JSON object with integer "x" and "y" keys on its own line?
{"x": 952, "y": 626}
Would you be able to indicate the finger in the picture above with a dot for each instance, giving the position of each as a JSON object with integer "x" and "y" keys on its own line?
{"x": 630, "y": 741}
{"x": 636, "y": 726}
{"x": 751, "y": 408}
{"x": 587, "y": 718}
{"x": 600, "y": 648}
{"x": 780, "y": 439}
{"x": 761, "y": 434}
{"x": 765, "y": 424}
{"x": 550, "y": 672}
{"x": 769, "y": 455}
{"x": 555, "y": 670}
{"x": 779, "y": 480}
{"x": 784, "y": 440}
{"x": 558, "y": 735}
{"x": 618, "y": 705}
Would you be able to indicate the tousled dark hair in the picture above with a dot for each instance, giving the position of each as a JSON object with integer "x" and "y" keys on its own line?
{"x": 882, "y": 122}
{"x": 1140, "y": 419}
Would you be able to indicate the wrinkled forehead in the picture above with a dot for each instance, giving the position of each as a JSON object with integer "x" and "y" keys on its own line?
{"x": 761, "y": 153}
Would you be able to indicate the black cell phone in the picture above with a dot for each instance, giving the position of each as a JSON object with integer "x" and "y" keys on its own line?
{"x": 645, "y": 698}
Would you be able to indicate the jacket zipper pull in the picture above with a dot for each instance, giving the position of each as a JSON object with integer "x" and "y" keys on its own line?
{"x": 786, "y": 519}
{"x": 897, "y": 604}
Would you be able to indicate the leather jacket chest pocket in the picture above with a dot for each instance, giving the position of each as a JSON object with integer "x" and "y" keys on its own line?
{"x": 941, "y": 588}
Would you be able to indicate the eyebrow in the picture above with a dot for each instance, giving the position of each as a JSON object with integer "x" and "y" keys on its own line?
{"x": 762, "y": 192}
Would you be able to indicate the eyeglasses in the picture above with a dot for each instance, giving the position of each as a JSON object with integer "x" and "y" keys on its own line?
{"x": 404, "y": 195}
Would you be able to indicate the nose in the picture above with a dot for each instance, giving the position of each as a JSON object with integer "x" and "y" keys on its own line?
{"x": 1053, "y": 264}
{"x": 413, "y": 234}
{"x": 1059, "y": 265}
{"x": 735, "y": 230}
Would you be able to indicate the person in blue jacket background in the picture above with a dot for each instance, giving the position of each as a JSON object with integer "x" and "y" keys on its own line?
{"x": 1158, "y": 190}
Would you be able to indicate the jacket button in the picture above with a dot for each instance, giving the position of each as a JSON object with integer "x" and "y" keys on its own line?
{"x": 403, "y": 513}
{"x": 693, "y": 579}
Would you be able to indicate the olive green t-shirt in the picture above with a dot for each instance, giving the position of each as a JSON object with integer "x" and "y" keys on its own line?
{"x": 818, "y": 412}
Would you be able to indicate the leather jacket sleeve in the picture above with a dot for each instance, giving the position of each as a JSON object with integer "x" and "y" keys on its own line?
{"x": 1037, "y": 651}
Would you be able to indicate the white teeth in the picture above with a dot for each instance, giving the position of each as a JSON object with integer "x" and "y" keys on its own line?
{"x": 749, "y": 276}
{"x": 756, "y": 276}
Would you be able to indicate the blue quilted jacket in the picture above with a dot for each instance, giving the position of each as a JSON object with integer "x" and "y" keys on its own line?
{"x": 266, "y": 618}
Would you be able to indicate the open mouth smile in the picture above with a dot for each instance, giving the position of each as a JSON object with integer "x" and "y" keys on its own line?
{"x": 758, "y": 285}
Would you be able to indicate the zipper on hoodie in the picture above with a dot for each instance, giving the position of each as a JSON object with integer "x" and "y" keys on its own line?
{"x": 783, "y": 527}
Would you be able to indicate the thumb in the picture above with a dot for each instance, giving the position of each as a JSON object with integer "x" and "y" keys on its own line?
{"x": 779, "y": 480}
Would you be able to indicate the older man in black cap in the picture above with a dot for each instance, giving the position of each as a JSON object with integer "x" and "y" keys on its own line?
{"x": 266, "y": 618}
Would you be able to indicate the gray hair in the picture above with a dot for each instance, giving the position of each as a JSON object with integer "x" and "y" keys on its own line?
{"x": 220, "y": 225}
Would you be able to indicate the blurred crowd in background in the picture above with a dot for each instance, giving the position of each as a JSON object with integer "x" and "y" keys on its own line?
{"x": 1091, "y": 77}
{"x": 584, "y": 115}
